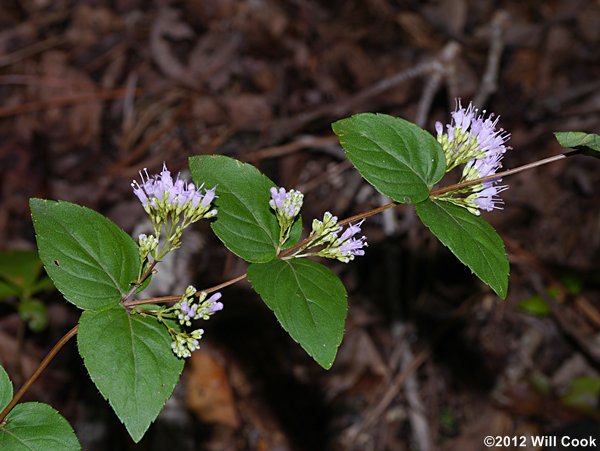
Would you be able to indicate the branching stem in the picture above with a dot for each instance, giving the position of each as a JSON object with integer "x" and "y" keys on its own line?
{"x": 132, "y": 303}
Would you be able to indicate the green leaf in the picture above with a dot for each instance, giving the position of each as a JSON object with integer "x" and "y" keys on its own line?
{"x": 35, "y": 313}
{"x": 308, "y": 300}
{"x": 32, "y": 425}
{"x": 130, "y": 360}
{"x": 589, "y": 143}
{"x": 21, "y": 268}
{"x": 471, "y": 239}
{"x": 397, "y": 157}
{"x": 90, "y": 259}
{"x": 8, "y": 290}
{"x": 583, "y": 392}
{"x": 535, "y": 305}
{"x": 245, "y": 222}
{"x": 37, "y": 426}
{"x": 6, "y": 389}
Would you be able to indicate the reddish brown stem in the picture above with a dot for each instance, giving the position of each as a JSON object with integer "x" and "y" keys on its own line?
{"x": 164, "y": 299}
{"x": 57, "y": 347}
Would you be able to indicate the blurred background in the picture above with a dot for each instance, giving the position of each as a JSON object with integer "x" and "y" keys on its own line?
{"x": 93, "y": 91}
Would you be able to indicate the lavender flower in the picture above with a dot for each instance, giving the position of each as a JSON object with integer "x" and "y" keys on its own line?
{"x": 287, "y": 205}
{"x": 346, "y": 247}
{"x": 188, "y": 308}
{"x": 326, "y": 236}
{"x": 162, "y": 197}
{"x": 473, "y": 139}
{"x": 470, "y": 136}
{"x": 185, "y": 343}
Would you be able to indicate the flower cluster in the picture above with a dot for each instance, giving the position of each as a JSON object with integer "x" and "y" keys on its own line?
{"x": 162, "y": 196}
{"x": 472, "y": 138}
{"x": 187, "y": 309}
{"x": 345, "y": 247}
{"x": 324, "y": 235}
{"x": 184, "y": 344}
{"x": 172, "y": 204}
{"x": 287, "y": 205}
{"x": 342, "y": 247}
{"x": 148, "y": 245}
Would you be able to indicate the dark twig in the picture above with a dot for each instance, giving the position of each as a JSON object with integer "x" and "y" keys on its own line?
{"x": 44, "y": 363}
{"x": 64, "y": 101}
{"x": 489, "y": 83}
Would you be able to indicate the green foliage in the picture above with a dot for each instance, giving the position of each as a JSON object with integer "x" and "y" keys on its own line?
{"x": 245, "y": 222}
{"x": 308, "y": 300}
{"x": 471, "y": 239}
{"x": 129, "y": 358}
{"x": 32, "y": 425}
{"x": 21, "y": 269}
{"x": 583, "y": 393}
{"x": 90, "y": 260}
{"x": 6, "y": 389}
{"x": 535, "y": 305}
{"x": 35, "y": 313}
{"x": 20, "y": 277}
{"x": 397, "y": 157}
{"x": 589, "y": 143}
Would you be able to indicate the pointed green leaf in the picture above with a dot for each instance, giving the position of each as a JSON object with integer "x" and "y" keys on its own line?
{"x": 8, "y": 290}
{"x": 6, "y": 389}
{"x": 245, "y": 222}
{"x": 90, "y": 259}
{"x": 37, "y": 427}
{"x": 589, "y": 143}
{"x": 308, "y": 300}
{"x": 21, "y": 268}
{"x": 130, "y": 360}
{"x": 474, "y": 242}
{"x": 397, "y": 157}
{"x": 32, "y": 425}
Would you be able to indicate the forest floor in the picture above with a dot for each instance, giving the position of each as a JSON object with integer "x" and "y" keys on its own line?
{"x": 93, "y": 91}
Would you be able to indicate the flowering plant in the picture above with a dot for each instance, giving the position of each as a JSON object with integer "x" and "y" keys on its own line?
{"x": 139, "y": 343}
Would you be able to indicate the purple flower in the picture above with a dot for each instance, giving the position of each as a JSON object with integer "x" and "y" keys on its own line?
{"x": 487, "y": 199}
{"x": 349, "y": 246}
{"x": 470, "y": 135}
{"x": 208, "y": 197}
{"x": 353, "y": 247}
{"x": 473, "y": 138}
{"x": 213, "y": 305}
{"x": 287, "y": 204}
{"x": 160, "y": 196}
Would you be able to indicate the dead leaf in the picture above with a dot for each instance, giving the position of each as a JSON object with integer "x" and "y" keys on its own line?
{"x": 249, "y": 111}
{"x": 168, "y": 25}
{"x": 209, "y": 393}
{"x": 78, "y": 125}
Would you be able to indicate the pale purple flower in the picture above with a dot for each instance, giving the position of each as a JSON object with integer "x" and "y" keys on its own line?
{"x": 349, "y": 246}
{"x": 353, "y": 247}
{"x": 212, "y": 304}
{"x": 287, "y": 204}
{"x": 160, "y": 195}
{"x": 487, "y": 199}
{"x": 208, "y": 197}
{"x": 470, "y": 135}
{"x": 473, "y": 138}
